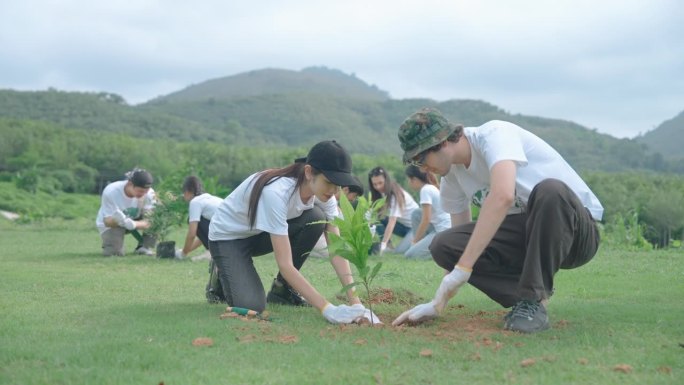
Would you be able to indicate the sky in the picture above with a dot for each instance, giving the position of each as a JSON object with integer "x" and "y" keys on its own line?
{"x": 616, "y": 66}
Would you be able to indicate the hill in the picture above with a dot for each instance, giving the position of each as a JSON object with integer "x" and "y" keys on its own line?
{"x": 312, "y": 80}
{"x": 279, "y": 108}
{"x": 666, "y": 138}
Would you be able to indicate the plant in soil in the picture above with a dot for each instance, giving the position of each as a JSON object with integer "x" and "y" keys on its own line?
{"x": 167, "y": 213}
{"x": 355, "y": 240}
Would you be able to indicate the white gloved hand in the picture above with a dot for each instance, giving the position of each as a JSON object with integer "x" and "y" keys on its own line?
{"x": 123, "y": 220}
{"x": 420, "y": 313}
{"x": 447, "y": 289}
{"x": 383, "y": 246}
{"x": 129, "y": 224}
{"x": 367, "y": 314}
{"x": 374, "y": 320}
{"x": 342, "y": 314}
{"x": 179, "y": 254}
{"x": 449, "y": 286}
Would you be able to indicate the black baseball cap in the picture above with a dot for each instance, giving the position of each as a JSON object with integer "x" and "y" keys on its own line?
{"x": 333, "y": 161}
{"x": 141, "y": 178}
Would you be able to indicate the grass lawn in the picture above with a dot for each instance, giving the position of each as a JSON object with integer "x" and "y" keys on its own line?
{"x": 70, "y": 316}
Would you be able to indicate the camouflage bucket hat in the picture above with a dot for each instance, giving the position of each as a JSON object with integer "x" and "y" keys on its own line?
{"x": 422, "y": 130}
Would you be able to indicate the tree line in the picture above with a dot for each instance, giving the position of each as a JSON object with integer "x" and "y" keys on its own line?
{"x": 40, "y": 156}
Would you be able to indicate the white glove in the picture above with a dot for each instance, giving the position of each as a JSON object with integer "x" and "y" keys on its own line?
{"x": 123, "y": 220}
{"x": 383, "y": 246}
{"x": 372, "y": 230}
{"x": 179, "y": 254}
{"x": 342, "y": 314}
{"x": 447, "y": 289}
{"x": 449, "y": 286}
{"x": 420, "y": 313}
{"x": 375, "y": 320}
{"x": 367, "y": 314}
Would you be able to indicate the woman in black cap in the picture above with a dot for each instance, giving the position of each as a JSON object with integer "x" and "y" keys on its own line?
{"x": 272, "y": 211}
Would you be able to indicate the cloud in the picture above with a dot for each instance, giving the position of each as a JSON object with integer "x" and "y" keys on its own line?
{"x": 614, "y": 65}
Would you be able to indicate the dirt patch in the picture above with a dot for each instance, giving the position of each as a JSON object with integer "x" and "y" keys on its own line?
{"x": 388, "y": 296}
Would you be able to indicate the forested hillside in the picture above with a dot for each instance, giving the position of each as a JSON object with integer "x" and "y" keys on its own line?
{"x": 55, "y": 142}
{"x": 667, "y": 138}
{"x": 324, "y": 104}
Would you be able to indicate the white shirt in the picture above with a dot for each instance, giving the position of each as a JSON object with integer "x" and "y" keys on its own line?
{"x": 403, "y": 216}
{"x": 429, "y": 195}
{"x": 203, "y": 205}
{"x": 535, "y": 160}
{"x": 279, "y": 202}
{"x": 114, "y": 198}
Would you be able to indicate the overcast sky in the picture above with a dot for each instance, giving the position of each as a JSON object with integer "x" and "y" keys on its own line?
{"x": 613, "y": 65}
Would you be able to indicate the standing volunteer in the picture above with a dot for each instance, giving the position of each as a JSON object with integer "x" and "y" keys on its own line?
{"x": 395, "y": 215}
{"x": 429, "y": 219}
{"x": 201, "y": 208}
{"x": 536, "y": 214}
{"x": 280, "y": 210}
{"x": 124, "y": 204}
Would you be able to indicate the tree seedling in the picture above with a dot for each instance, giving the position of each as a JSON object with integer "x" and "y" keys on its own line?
{"x": 356, "y": 239}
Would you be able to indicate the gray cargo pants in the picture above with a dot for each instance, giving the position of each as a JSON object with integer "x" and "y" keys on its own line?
{"x": 241, "y": 284}
{"x": 556, "y": 232}
{"x": 113, "y": 241}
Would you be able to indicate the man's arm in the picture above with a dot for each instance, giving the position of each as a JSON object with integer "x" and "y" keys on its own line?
{"x": 494, "y": 210}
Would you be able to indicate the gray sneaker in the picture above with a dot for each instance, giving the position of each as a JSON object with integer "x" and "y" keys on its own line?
{"x": 527, "y": 317}
{"x": 144, "y": 251}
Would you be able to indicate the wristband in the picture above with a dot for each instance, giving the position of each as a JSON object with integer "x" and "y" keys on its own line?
{"x": 324, "y": 307}
{"x": 463, "y": 268}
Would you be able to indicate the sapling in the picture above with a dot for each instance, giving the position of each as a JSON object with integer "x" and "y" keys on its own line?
{"x": 167, "y": 213}
{"x": 355, "y": 240}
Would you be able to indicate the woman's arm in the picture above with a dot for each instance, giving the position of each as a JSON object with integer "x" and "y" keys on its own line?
{"x": 389, "y": 229}
{"x": 191, "y": 243}
{"x": 283, "y": 257}
{"x": 342, "y": 268}
{"x": 424, "y": 222}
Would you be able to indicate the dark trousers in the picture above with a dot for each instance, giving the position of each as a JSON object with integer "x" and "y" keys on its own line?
{"x": 400, "y": 229}
{"x": 240, "y": 281}
{"x": 203, "y": 231}
{"x": 556, "y": 232}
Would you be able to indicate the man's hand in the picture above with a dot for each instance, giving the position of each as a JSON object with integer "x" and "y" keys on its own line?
{"x": 383, "y": 246}
{"x": 450, "y": 285}
{"x": 179, "y": 254}
{"x": 420, "y": 313}
{"x": 447, "y": 289}
{"x": 342, "y": 314}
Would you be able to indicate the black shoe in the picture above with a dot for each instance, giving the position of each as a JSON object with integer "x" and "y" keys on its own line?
{"x": 527, "y": 317}
{"x": 281, "y": 293}
{"x": 214, "y": 290}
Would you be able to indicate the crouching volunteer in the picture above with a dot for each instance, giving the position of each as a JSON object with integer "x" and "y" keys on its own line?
{"x": 201, "y": 208}
{"x": 124, "y": 204}
{"x": 272, "y": 211}
{"x": 536, "y": 215}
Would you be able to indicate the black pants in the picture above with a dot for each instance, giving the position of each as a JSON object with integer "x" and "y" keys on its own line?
{"x": 240, "y": 281}
{"x": 556, "y": 232}
{"x": 203, "y": 231}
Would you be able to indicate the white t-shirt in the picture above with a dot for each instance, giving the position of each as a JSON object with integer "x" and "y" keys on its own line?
{"x": 429, "y": 195}
{"x": 203, "y": 205}
{"x": 279, "y": 202}
{"x": 114, "y": 198}
{"x": 403, "y": 216}
{"x": 535, "y": 159}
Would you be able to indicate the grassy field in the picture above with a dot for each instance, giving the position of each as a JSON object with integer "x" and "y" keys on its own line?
{"x": 70, "y": 316}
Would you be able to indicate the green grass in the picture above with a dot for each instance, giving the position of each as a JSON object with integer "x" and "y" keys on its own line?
{"x": 70, "y": 316}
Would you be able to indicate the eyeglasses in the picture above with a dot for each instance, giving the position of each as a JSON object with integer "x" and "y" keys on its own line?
{"x": 419, "y": 160}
